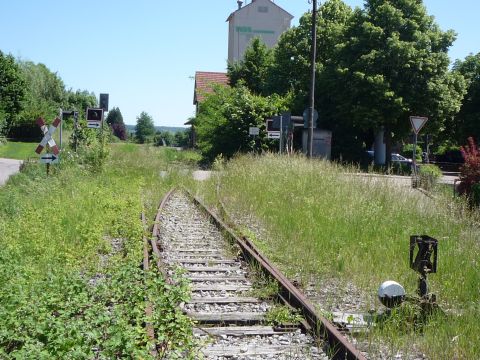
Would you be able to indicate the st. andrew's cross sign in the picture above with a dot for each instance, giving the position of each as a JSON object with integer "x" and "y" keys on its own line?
{"x": 48, "y": 139}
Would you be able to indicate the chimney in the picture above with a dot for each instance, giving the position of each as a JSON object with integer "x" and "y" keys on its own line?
{"x": 239, "y": 2}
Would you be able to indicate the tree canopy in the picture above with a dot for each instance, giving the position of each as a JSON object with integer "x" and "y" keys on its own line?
{"x": 12, "y": 91}
{"x": 115, "y": 120}
{"x": 467, "y": 121}
{"x": 145, "y": 129}
{"x": 225, "y": 116}
{"x": 253, "y": 68}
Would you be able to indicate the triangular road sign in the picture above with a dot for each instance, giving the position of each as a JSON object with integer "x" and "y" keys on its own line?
{"x": 417, "y": 123}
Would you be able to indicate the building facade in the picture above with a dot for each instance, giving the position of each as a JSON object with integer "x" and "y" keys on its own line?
{"x": 259, "y": 18}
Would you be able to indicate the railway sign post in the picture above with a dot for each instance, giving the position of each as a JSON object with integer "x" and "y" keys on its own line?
{"x": 94, "y": 118}
{"x": 417, "y": 124}
{"x": 48, "y": 158}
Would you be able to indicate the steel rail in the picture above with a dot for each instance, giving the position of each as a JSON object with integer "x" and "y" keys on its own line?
{"x": 155, "y": 236}
{"x": 339, "y": 345}
{"x": 148, "y": 307}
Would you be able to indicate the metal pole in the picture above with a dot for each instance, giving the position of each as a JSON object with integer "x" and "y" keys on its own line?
{"x": 281, "y": 134}
{"x": 312, "y": 84}
{"x": 61, "y": 128}
{"x": 415, "y": 156}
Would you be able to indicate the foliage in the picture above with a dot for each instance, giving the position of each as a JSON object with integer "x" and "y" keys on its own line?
{"x": 79, "y": 100}
{"x": 70, "y": 284}
{"x": 144, "y": 130}
{"x": 429, "y": 175}
{"x": 90, "y": 146}
{"x": 407, "y": 151}
{"x": 115, "y": 120}
{"x": 377, "y": 66}
{"x": 224, "y": 119}
{"x": 278, "y": 315}
{"x": 12, "y": 91}
{"x": 356, "y": 230}
{"x": 253, "y": 68}
{"x": 391, "y": 50}
{"x": 467, "y": 121}
{"x": 470, "y": 171}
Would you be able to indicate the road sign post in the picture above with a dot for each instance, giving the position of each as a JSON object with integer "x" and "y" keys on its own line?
{"x": 417, "y": 124}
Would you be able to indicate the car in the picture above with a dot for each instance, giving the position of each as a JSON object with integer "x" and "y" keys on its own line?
{"x": 396, "y": 159}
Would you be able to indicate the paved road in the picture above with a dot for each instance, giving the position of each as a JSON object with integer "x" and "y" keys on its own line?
{"x": 8, "y": 167}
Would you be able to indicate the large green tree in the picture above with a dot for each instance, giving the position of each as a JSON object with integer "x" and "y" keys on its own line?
{"x": 115, "y": 120}
{"x": 145, "y": 129}
{"x": 393, "y": 63}
{"x": 467, "y": 121}
{"x": 12, "y": 91}
{"x": 224, "y": 119}
{"x": 253, "y": 68}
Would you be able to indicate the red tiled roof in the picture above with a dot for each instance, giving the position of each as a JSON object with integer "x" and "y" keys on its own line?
{"x": 204, "y": 81}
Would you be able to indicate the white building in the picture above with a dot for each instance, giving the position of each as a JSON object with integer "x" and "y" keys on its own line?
{"x": 259, "y": 18}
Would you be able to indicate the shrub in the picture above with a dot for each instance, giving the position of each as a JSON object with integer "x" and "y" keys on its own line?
{"x": 408, "y": 152}
{"x": 470, "y": 171}
{"x": 428, "y": 176}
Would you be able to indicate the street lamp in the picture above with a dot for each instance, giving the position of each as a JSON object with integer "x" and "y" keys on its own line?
{"x": 312, "y": 79}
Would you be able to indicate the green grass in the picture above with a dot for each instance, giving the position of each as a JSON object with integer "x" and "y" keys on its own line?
{"x": 323, "y": 223}
{"x": 18, "y": 150}
{"x": 54, "y": 234}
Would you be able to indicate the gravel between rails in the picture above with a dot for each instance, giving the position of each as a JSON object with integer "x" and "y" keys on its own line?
{"x": 231, "y": 323}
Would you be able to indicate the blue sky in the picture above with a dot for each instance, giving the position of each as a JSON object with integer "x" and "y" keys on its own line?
{"x": 144, "y": 53}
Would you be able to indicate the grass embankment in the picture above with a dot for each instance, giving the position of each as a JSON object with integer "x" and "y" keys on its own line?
{"x": 17, "y": 150}
{"x": 71, "y": 284}
{"x": 323, "y": 223}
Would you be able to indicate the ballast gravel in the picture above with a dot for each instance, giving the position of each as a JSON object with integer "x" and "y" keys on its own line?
{"x": 187, "y": 234}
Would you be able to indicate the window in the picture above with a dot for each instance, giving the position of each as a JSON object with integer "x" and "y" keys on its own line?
{"x": 263, "y": 9}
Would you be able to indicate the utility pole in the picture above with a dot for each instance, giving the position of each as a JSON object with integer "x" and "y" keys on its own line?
{"x": 312, "y": 79}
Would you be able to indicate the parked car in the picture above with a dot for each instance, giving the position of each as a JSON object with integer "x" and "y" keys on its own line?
{"x": 396, "y": 159}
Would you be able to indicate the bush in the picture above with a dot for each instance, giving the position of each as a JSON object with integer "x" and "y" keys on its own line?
{"x": 428, "y": 176}
{"x": 470, "y": 171}
{"x": 408, "y": 152}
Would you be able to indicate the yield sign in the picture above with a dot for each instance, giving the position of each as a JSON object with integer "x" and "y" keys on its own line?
{"x": 417, "y": 123}
{"x": 47, "y": 138}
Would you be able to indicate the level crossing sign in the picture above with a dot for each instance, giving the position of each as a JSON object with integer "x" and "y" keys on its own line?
{"x": 48, "y": 139}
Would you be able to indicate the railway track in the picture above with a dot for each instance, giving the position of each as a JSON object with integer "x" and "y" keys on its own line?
{"x": 232, "y": 322}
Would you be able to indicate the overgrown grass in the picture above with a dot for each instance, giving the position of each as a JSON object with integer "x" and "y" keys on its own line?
{"x": 17, "y": 150}
{"x": 65, "y": 291}
{"x": 323, "y": 222}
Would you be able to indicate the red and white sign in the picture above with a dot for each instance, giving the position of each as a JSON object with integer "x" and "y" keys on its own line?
{"x": 417, "y": 123}
{"x": 47, "y": 138}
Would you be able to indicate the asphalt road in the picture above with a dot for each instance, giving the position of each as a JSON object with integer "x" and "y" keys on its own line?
{"x": 8, "y": 167}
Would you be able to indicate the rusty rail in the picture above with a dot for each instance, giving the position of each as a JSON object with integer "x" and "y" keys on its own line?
{"x": 155, "y": 234}
{"x": 340, "y": 346}
{"x": 148, "y": 307}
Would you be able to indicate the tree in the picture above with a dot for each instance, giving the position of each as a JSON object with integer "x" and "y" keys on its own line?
{"x": 182, "y": 138}
{"x": 467, "y": 121}
{"x": 253, "y": 68}
{"x": 12, "y": 91}
{"x": 80, "y": 100}
{"x": 393, "y": 63}
{"x": 144, "y": 129}
{"x": 115, "y": 120}
{"x": 44, "y": 95}
{"x": 224, "y": 119}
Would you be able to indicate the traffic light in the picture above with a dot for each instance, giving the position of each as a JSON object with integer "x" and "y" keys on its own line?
{"x": 104, "y": 102}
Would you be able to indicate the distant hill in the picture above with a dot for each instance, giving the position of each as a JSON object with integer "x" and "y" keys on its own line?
{"x": 172, "y": 129}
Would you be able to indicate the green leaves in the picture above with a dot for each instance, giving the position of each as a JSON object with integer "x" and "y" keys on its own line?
{"x": 70, "y": 282}
{"x": 144, "y": 128}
